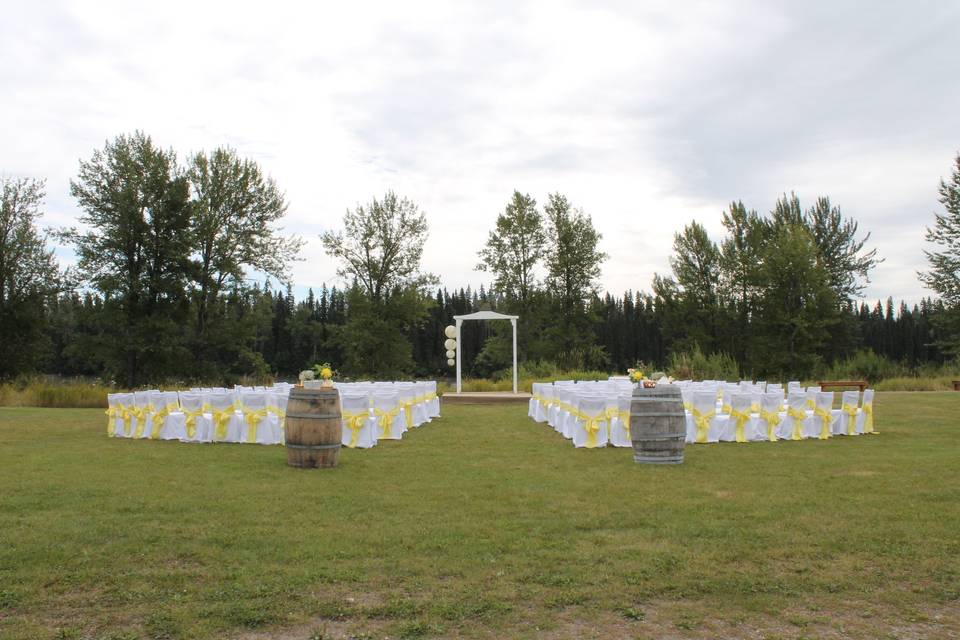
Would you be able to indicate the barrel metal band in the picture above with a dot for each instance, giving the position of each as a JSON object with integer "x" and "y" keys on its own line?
{"x": 314, "y": 415}
{"x": 313, "y": 446}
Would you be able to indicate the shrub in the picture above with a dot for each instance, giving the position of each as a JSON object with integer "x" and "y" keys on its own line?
{"x": 694, "y": 365}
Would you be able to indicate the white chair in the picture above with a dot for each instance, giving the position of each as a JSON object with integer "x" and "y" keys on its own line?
{"x": 168, "y": 422}
{"x": 142, "y": 413}
{"x": 257, "y": 429}
{"x": 359, "y": 427}
{"x": 847, "y": 424}
{"x": 227, "y": 425}
{"x": 534, "y": 403}
{"x": 620, "y": 425}
{"x": 590, "y": 424}
{"x": 198, "y": 427}
{"x": 823, "y": 414}
{"x": 770, "y": 419}
{"x": 812, "y": 397}
{"x": 407, "y": 402}
{"x": 702, "y": 422}
{"x": 277, "y": 408}
{"x": 866, "y": 413}
{"x": 797, "y": 417}
{"x": 116, "y": 402}
{"x": 737, "y": 427}
{"x": 433, "y": 401}
{"x": 389, "y": 415}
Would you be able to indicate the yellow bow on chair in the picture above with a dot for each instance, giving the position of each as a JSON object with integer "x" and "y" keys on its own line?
{"x": 811, "y": 404}
{"x": 127, "y": 413}
{"x": 773, "y": 421}
{"x": 624, "y": 420}
{"x": 253, "y": 419}
{"x": 851, "y": 411}
{"x": 386, "y": 418}
{"x": 591, "y": 425}
{"x": 798, "y": 415}
{"x": 868, "y": 418}
{"x": 280, "y": 413}
{"x": 355, "y": 422}
{"x": 741, "y": 417}
{"x": 826, "y": 417}
{"x": 408, "y": 413}
{"x": 160, "y": 417}
{"x": 702, "y": 420}
{"x": 112, "y": 414}
{"x": 221, "y": 420}
{"x": 191, "y": 421}
{"x": 727, "y": 409}
{"x": 141, "y": 413}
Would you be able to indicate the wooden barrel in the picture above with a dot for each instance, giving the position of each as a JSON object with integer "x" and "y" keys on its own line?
{"x": 658, "y": 425}
{"x": 313, "y": 428}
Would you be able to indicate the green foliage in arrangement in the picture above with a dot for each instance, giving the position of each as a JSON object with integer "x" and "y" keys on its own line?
{"x": 481, "y": 524}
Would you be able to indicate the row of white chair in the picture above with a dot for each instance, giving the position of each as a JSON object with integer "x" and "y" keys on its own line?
{"x": 593, "y": 414}
{"x": 371, "y": 411}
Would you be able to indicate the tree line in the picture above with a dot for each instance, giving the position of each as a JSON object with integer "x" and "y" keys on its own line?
{"x": 182, "y": 274}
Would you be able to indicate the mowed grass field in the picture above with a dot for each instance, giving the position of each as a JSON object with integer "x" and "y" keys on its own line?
{"x": 482, "y": 524}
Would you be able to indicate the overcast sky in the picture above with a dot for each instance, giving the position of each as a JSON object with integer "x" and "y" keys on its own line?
{"x": 645, "y": 114}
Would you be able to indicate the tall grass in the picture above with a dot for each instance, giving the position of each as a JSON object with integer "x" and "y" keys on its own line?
{"x": 59, "y": 394}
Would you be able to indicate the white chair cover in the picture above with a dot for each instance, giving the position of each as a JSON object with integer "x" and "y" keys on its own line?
{"x": 257, "y": 429}
{"x": 198, "y": 424}
{"x": 823, "y": 416}
{"x": 228, "y": 426}
{"x": 359, "y": 425}
{"x": 389, "y": 415}
{"x": 770, "y": 421}
{"x": 847, "y": 424}
{"x": 620, "y": 425}
{"x": 702, "y": 422}
{"x": 169, "y": 422}
{"x": 590, "y": 425}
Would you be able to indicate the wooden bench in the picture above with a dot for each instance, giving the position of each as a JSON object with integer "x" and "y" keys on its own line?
{"x": 956, "y": 385}
{"x": 839, "y": 384}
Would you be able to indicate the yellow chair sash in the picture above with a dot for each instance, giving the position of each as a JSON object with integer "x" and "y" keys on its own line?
{"x": 826, "y": 417}
{"x": 592, "y": 426}
{"x": 127, "y": 413}
{"x": 386, "y": 418}
{"x": 811, "y": 404}
{"x": 755, "y": 407}
{"x": 191, "y": 421}
{"x": 772, "y": 419}
{"x": 221, "y": 420}
{"x": 624, "y": 420}
{"x": 112, "y": 414}
{"x": 741, "y": 418}
{"x": 688, "y": 406}
{"x": 851, "y": 411}
{"x": 160, "y": 416}
{"x": 408, "y": 413}
{"x": 726, "y": 409}
{"x": 141, "y": 413}
{"x": 355, "y": 422}
{"x": 702, "y": 420}
{"x": 253, "y": 419}
{"x": 798, "y": 415}
{"x": 280, "y": 413}
{"x": 868, "y": 418}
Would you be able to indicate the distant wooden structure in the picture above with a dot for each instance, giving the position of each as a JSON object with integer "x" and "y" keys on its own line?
{"x": 842, "y": 384}
{"x": 956, "y": 385}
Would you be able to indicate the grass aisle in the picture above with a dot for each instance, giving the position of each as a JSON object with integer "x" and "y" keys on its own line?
{"x": 481, "y": 524}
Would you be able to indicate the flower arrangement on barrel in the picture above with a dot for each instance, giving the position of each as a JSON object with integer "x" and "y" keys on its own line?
{"x": 637, "y": 376}
{"x": 325, "y": 373}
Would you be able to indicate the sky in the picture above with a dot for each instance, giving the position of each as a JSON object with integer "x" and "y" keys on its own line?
{"x": 647, "y": 115}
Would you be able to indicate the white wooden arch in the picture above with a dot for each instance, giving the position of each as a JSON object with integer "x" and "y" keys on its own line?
{"x": 488, "y": 315}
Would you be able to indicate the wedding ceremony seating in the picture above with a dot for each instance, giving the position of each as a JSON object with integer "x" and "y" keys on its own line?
{"x": 592, "y": 414}
{"x": 371, "y": 411}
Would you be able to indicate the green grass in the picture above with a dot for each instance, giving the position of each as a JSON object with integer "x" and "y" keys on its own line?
{"x": 481, "y": 524}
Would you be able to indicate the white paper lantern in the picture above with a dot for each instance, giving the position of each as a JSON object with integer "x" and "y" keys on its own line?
{"x": 451, "y": 362}
{"x": 451, "y": 354}
{"x": 450, "y": 345}
{"x": 450, "y": 332}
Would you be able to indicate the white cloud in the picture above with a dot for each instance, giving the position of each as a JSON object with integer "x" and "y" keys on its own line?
{"x": 647, "y": 116}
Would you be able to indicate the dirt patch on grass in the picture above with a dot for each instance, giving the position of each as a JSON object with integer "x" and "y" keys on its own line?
{"x": 680, "y": 620}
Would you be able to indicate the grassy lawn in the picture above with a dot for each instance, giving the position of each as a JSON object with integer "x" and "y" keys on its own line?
{"x": 481, "y": 524}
